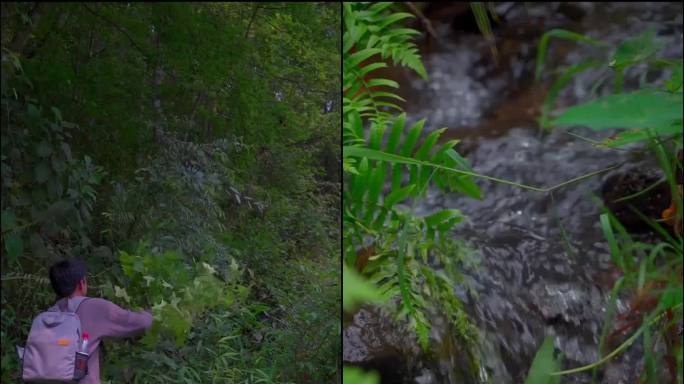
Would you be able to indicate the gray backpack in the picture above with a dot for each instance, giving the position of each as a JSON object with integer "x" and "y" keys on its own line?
{"x": 54, "y": 339}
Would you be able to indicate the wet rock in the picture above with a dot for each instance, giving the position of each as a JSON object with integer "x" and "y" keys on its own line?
{"x": 566, "y": 303}
{"x": 546, "y": 268}
{"x": 651, "y": 204}
{"x": 374, "y": 341}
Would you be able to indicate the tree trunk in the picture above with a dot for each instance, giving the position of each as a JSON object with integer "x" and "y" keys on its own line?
{"x": 249, "y": 26}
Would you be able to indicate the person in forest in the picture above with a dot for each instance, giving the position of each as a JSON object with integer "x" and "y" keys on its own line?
{"x": 99, "y": 317}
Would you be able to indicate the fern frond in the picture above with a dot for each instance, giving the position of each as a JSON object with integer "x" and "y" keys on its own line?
{"x": 370, "y": 30}
{"x": 371, "y": 175}
{"x": 419, "y": 287}
{"x": 376, "y": 186}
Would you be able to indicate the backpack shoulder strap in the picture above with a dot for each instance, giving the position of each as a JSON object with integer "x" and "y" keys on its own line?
{"x": 75, "y": 303}
{"x": 68, "y": 304}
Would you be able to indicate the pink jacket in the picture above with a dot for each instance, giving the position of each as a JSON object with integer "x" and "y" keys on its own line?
{"x": 102, "y": 318}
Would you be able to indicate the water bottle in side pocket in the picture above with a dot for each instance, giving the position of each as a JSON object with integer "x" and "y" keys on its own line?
{"x": 81, "y": 363}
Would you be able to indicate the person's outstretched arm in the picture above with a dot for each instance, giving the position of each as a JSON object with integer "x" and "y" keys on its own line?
{"x": 115, "y": 321}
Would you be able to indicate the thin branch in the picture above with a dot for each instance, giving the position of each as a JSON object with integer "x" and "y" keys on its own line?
{"x": 118, "y": 28}
{"x": 256, "y": 8}
{"x": 426, "y": 22}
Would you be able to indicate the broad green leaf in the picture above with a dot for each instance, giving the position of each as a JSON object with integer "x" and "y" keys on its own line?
{"x": 14, "y": 245}
{"x": 640, "y": 109}
{"x": 543, "y": 365}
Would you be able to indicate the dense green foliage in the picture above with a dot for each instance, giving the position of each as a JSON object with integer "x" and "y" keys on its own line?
{"x": 651, "y": 270}
{"x": 385, "y": 165}
{"x": 190, "y": 154}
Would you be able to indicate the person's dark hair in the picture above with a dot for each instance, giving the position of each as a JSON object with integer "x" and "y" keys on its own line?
{"x": 65, "y": 275}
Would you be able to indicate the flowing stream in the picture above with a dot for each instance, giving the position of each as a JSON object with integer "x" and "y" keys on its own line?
{"x": 545, "y": 268}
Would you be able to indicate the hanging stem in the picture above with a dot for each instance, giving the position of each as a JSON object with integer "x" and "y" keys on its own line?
{"x": 371, "y": 154}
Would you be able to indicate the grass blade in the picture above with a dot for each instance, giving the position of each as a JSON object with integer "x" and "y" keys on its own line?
{"x": 560, "y": 34}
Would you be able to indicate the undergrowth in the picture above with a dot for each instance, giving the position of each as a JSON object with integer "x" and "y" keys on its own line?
{"x": 650, "y": 117}
{"x": 208, "y": 194}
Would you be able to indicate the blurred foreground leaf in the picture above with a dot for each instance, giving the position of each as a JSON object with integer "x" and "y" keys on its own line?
{"x": 357, "y": 290}
{"x": 543, "y": 365}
